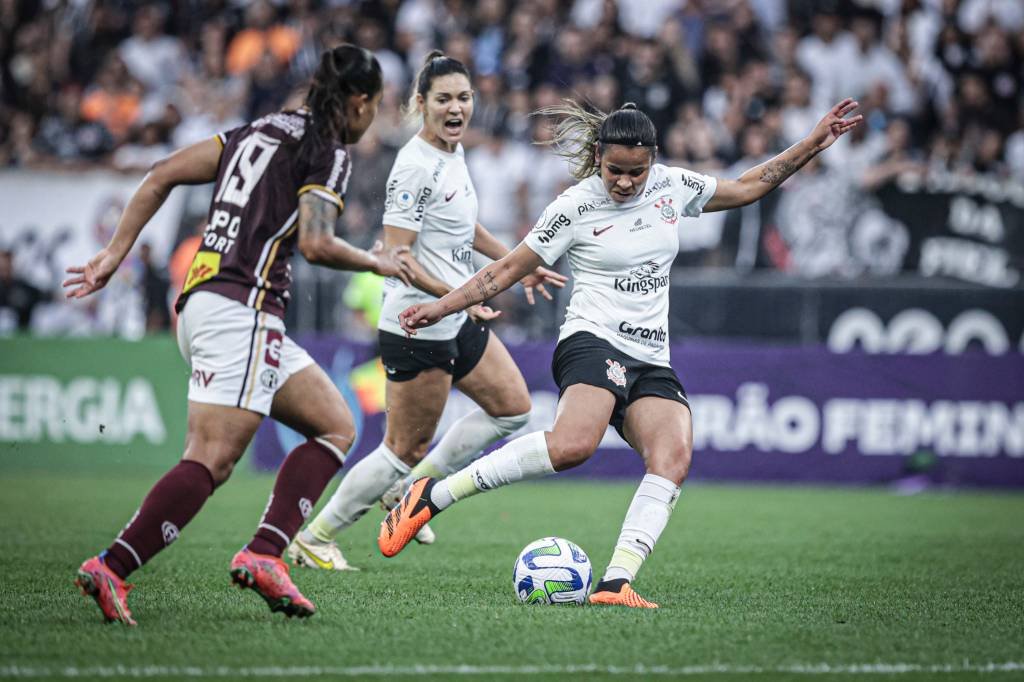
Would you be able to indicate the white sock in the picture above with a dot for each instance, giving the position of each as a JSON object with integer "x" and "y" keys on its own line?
{"x": 362, "y": 486}
{"x": 646, "y": 517}
{"x": 463, "y": 441}
{"x": 523, "y": 459}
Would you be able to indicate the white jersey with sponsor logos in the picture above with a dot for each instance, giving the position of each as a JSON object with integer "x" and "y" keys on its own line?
{"x": 429, "y": 191}
{"x": 621, "y": 255}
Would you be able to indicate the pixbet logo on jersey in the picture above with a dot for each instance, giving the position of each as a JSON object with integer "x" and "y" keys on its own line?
{"x": 643, "y": 279}
{"x": 548, "y": 230}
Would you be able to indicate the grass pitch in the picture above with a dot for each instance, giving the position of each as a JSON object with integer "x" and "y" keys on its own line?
{"x": 754, "y": 582}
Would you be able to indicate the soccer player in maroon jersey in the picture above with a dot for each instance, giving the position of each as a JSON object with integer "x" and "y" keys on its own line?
{"x": 280, "y": 181}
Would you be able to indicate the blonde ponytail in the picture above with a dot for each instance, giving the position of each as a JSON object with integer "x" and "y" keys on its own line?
{"x": 575, "y": 136}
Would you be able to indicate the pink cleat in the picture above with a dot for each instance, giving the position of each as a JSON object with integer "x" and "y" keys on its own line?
{"x": 96, "y": 580}
{"x": 268, "y": 576}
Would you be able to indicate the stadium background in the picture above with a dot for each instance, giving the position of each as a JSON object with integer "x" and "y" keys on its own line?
{"x": 793, "y": 319}
{"x": 864, "y": 324}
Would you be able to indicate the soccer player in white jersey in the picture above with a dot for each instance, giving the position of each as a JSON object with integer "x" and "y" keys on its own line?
{"x": 618, "y": 227}
{"x": 431, "y": 209}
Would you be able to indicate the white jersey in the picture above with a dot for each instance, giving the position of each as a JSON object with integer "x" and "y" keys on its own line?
{"x": 429, "y": 191}
{"x": 621, "y": 256}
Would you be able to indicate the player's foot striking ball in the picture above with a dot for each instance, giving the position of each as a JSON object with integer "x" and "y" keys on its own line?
{"x": 96, "y": 580}
{"x": 619, "y": 593}
{"x": 268, "y": 577}
{"x": 405, "y": 520}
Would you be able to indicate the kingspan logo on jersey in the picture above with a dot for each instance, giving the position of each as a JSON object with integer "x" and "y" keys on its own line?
{"x": 643, "y": 279}
{"x": 648, "y": 336}
{"x": 463, "y": 254}
{"x": 546, "y": 229}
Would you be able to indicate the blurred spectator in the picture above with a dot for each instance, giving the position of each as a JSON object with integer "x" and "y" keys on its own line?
{"x": 64, "y": 135}
{"x": 500, "y": 169}
{"x": 154, "y": 58}
{"x": 114, "y": 100}
{"x": 146, "y": 147}
{"x": 18, "y": 298}
{"x": 261, "y": 35}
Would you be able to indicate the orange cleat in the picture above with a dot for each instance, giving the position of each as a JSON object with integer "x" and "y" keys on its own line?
{"x": 96, "y": 580}
{"x": 403, "y": 522}
{"x": 268, "y": 577}
{"x": 624, "y": 597}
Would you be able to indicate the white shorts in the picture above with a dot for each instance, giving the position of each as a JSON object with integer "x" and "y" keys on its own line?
{"x": 238, "y": 356}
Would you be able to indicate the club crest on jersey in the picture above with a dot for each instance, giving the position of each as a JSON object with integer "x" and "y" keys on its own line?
{"x": 668, "y": 212}
{"x": 616, "y": 373}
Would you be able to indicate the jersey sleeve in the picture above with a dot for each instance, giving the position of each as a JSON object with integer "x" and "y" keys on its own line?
{"x": 553, "y": 234}
{"x": 693, "y": 190}
{"x": 328, "y": 175}
{"x": 409, "y": 191}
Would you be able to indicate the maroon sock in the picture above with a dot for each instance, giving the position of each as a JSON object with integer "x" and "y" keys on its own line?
{"x": 170, "y": 504}
{"x": 305, "y": 473}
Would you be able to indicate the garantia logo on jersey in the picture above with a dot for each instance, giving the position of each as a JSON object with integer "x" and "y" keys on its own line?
{"x": 275, "y": 340}
{"x": 592, "y": 206}
{"x": 650, "y": 335}
{"x": 667, "y": 211}
{"x": 546, "y": 230}
{"x": 643, "y": 279}
{"x": 693, "y": 183}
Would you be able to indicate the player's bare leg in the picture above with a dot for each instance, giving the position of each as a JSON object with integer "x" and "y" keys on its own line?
{"x": 661, "y": 431}
{"x": 498, "y": 387}
{"x": 417, "y": 405}
{"x": 216, "y": 439}
{"x": 311, "y": 404}
{"x": 583, "y": 414}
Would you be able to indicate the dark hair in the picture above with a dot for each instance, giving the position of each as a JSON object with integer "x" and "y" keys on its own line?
{"x": 435, "y": 65}
{"x": 344, "y": 71}
{"x": 581, "y": 133}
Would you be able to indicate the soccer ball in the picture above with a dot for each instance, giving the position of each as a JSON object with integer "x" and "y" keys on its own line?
{"x": 552, "y": 571}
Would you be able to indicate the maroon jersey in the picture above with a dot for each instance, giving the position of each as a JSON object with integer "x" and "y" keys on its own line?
{"x": 253, "y": 223}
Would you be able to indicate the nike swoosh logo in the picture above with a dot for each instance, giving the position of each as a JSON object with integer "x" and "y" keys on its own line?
{"x": 598, "y": 233}
{"x": 325, "y": 565}
{"x": 448, "y": 197}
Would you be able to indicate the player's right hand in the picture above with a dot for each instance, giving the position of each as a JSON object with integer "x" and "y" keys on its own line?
{"x": 92, "y": 276}
{"x": 420, "y": 315}
{"x": 390, "y": 262}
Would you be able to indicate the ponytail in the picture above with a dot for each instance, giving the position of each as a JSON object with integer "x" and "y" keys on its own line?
{"x": 343, "y": 71}
{"x": 581, "y": 133}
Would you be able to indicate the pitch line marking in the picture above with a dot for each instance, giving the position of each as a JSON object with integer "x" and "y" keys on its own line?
{"x": 148, "y": 671}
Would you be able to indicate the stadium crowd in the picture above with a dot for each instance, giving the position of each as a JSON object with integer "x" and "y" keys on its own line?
{"x": 727, "y": 82}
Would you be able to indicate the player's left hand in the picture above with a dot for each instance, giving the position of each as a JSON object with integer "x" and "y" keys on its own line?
{"x": 834, "y": 124}
{"x": 420, "y": 315}
{"x": 537, "y": 279}
{"x": 482, "y": 313}
{"x": 91, "y": 277}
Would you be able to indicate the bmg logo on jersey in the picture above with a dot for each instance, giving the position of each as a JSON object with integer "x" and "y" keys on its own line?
{"x": 643, "y": 279}
{"x": 693, "y": 183}
{"x": 547, "y": 230}
{"x": 275, "y": 341}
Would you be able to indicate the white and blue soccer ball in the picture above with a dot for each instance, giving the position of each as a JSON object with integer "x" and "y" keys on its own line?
{"x": 552, "y": 571}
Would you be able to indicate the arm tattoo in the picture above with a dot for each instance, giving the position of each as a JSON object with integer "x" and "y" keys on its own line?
{"x": 316, "y": 216}
{"x": 492, "y": 286}
{"x": 775, "y": 172}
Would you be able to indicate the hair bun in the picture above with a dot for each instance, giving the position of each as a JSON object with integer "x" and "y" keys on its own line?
{"x": 432, "y": 55}
{"x": 629, "y": 105}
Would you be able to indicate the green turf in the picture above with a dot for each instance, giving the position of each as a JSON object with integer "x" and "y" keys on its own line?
{"x": 749, "y": 579}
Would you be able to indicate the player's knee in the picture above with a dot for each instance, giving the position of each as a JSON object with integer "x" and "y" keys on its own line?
{"x": 409, "y": 451}
{"x": 673, "y": 463}
{"x": 569, "y": 450}
{"x": 337, "y": 443}
{"x": 508, "y": 425}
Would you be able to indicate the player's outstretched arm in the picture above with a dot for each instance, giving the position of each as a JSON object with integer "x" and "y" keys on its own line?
{"x": 486, "y": 243}
{"x": 193, "y": 165}
{"x": 319, "y": 245}
{"x": 488, "y": 282}
{"x": 762, "y": 179}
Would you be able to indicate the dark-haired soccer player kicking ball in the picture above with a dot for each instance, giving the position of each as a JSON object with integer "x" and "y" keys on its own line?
{"x": 618, "y": 227}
